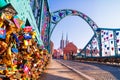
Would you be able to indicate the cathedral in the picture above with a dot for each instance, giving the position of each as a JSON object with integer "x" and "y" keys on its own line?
{"x": 68, "y": 49}
{"x": 63, "y": 42}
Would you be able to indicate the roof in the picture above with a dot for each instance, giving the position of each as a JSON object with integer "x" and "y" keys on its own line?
{"x": 70, "y": 47}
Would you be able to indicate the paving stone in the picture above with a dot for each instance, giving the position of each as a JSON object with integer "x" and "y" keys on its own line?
{"x": 56, "y": 71}
{"x": 97, "y": 71}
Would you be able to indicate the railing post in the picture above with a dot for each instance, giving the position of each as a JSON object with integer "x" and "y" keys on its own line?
{"x": 98, "y": 35}
{"x": 115, "y": 43}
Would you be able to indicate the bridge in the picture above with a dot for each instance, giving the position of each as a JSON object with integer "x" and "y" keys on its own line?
{"x": 26, "y": 28}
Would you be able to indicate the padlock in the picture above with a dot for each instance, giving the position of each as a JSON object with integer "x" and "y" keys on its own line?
{"x": 14, "y": 50}
{"x": 3, "y": 47}
{"x": 25, "y": 42}
{"x": 9, "y": 53}
{"x": 27, "y": 36}
{"x": 29, "y": 42}
{"x": 15, "y": 37}
{"x": 24, "y": 47}
{"x": 2, "y": 33}
{"x": 18, "y": 22}
{"x": 7, "y": 38}
{"x": 1, "y": 22}
{"x": 27, "y": 29}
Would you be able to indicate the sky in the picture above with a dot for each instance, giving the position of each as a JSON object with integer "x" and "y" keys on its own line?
{"x": 105, "y": 13}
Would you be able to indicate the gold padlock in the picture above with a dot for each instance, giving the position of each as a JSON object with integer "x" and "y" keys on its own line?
{"x": 1, "y": 22}
{"x": 3, "y": 47}
{"x": 25, "y": 42}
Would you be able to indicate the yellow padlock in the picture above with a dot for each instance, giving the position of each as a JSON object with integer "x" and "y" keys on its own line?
{"x": 25, "y": 42}
{"x": 33, "y": 33}
{"x": 8, "y": 16}
{"x": 7, "y": 38}
{"x": 1, "y": 22}
{"x": 9, "y": 53}
{"x": 33, "y": 36}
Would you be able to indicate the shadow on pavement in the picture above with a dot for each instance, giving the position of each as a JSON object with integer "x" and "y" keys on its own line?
{"x": 66, "y": 71}
{"x": 53, "y": 68}
{"x": 46, "y": 76}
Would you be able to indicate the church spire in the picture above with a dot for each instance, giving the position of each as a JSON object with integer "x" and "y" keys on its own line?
{"x": 67, "y": 37}
{"x": 62, "y": 42}
{"x": 67, "y": 41}
{"x": 62, "y": 36}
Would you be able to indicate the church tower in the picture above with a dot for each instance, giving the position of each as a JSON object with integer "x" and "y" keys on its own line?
{"x": 67, "y": 41}
{"x": 62, "y": 43}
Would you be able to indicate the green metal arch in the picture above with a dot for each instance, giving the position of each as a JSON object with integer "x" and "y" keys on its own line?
{"x": 2, "y": 3}
{"x": 58, "y": 15}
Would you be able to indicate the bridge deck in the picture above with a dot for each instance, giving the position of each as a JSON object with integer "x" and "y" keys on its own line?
{"x": 57, "y": 71}
{"x": 95, "y": 70}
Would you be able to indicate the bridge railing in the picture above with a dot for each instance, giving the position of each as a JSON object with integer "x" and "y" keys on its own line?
{"x": 105, "y": 43}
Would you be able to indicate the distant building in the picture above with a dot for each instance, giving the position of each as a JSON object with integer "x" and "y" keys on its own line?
{"x": 55, "y": 52}
{"x": 67, "y": 49}
{"x": 70, "y": 51}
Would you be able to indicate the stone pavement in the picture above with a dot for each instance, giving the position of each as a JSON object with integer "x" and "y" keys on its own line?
{"x": 57, "y": 71}
{"x": 94, "y": 70}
